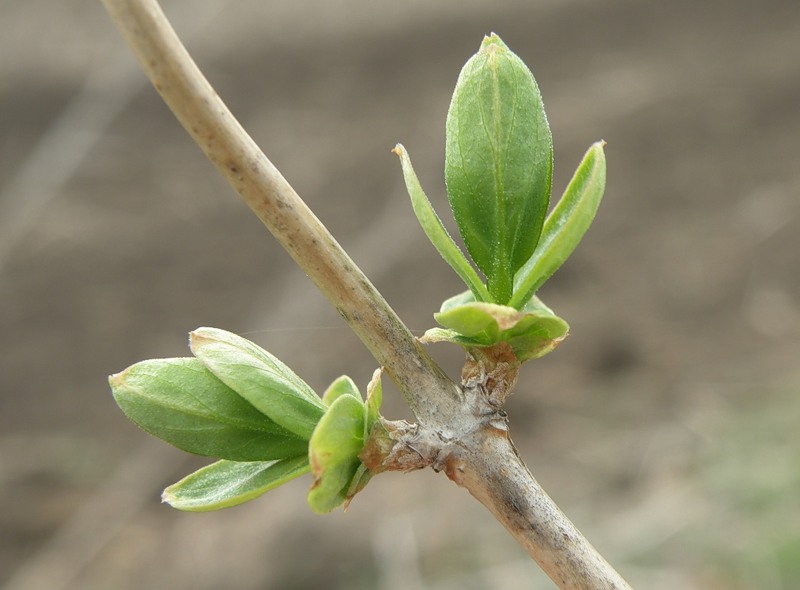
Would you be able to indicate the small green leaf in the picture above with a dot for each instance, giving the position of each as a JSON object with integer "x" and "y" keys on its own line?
{"x": 260, "y": 378}
{"x": 374, "y": 401}
{"x": 531, "y": 332}
{"x": 344, "y": 385}
{"x": 228, "y": 483}
{"x": 333, "y": 453}
{"x": 181, "y": 402}
{"x": 435, "y": 230}
{"x": 538, "y": 332}
{"x": 565, "y": 226}
{"x": 473, "y": 321}
{"x": 498, "y": 163}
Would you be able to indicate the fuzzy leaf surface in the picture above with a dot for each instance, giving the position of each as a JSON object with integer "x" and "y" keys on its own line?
{"x": 229, "y": 483}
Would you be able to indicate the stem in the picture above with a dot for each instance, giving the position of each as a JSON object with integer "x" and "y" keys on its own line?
{"x": 479, "y": 455}
{"x": 496, "y": 476}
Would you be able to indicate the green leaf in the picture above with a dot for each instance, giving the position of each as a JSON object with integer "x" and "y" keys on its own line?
{"x": 474, "y": 321}
{"x": 260, "y": 378}
{"x": 344, "y": 385}
{"x": 531, "y": 332}
{"x": 333, "y": 453}
{"x": 435, "y": 230}
{"x": 498, "y": 163}
{"x": 538, "y": 332}
{"x": 565, "y": 226}
{"x": 228, "y": 483}
{"x": 181, "y": 402}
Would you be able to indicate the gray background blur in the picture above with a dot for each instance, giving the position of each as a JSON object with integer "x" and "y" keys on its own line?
{"x": 665, "y": 426}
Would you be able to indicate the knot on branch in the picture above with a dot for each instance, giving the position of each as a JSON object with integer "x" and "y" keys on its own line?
{"x": 492, "y": 373}
{"x": 397, "y": 445}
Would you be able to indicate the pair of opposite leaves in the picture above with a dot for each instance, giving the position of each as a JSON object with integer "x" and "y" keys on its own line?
{"x": 236, "y": 402}
{"x": 498, "y": 172}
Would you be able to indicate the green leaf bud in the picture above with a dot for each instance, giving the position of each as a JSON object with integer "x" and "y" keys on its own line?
{"x": 530, "y": 332}
{"x": 498, "y": 163}
{"x": 179, "y": 401}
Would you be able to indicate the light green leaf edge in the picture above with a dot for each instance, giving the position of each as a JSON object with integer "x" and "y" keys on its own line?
{"x": 565, "y": 226}
{"x": 260, "y": 378}
{"x": 435, "y": 230}
{"x": 228, "y": 483}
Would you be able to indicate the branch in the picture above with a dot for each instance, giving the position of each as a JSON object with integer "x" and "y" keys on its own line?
{"x": 468, "y": 436}
{"x": 495, "y": 475}
{"x": 262, "y": 187}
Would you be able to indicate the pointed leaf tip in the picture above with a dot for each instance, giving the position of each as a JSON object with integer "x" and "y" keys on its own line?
{"x": 493, "y": 39}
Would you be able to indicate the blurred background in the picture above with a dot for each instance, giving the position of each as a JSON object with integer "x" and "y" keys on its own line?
{"x": 665, "y": 426}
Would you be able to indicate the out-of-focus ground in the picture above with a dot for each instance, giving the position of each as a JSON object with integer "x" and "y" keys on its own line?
{"x": 665, "y": 426}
